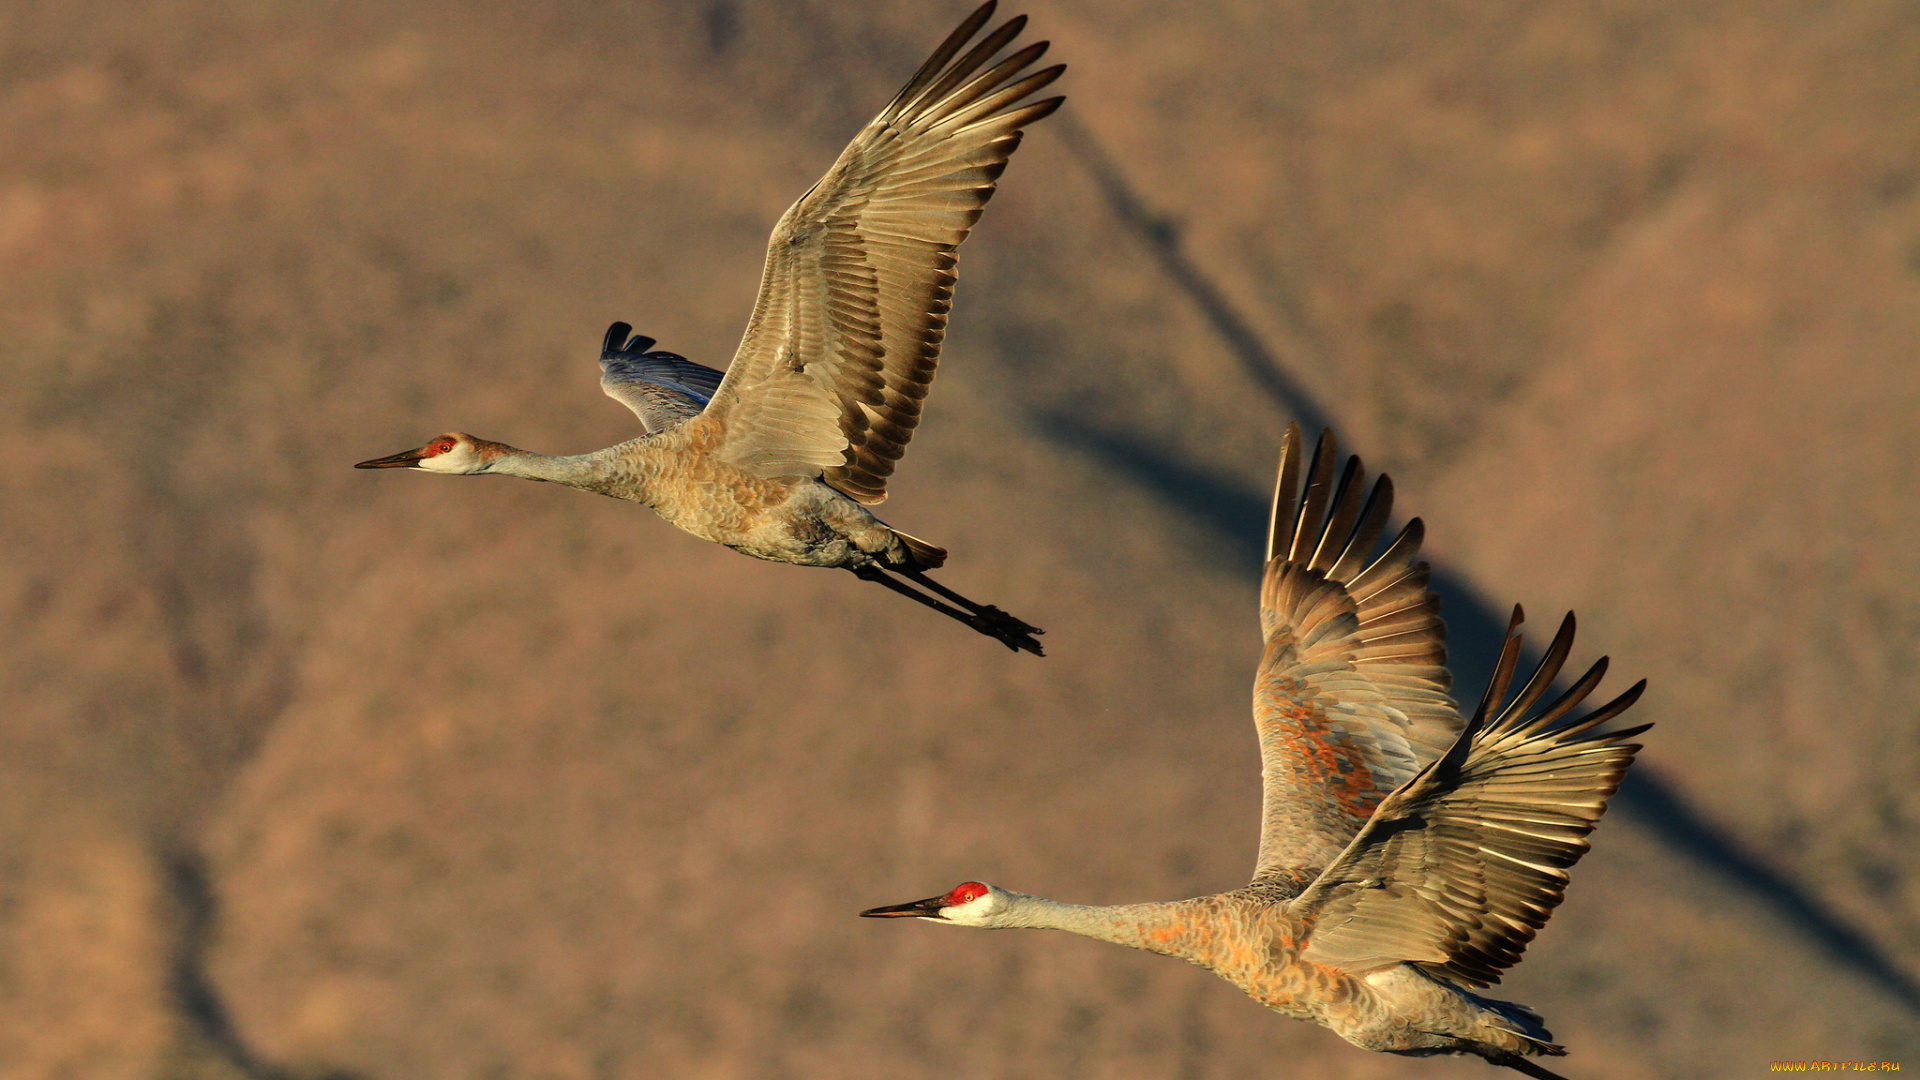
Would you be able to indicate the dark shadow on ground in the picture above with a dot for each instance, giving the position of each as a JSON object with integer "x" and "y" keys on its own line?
{"x": 1236, "y": 518}
{"x": 1233, "y": 519}
{"x": 1160, "y": 235}
{"x": 194, "y": 992}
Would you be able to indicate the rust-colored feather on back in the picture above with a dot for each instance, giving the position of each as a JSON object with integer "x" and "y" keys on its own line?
{"x": 1350, "y": 700}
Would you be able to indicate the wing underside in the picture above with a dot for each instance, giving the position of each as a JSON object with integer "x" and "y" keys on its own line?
{"x": 846, "y": 333}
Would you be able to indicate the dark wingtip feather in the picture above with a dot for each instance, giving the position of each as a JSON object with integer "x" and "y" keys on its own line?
{"x": 1025, "y": 115}
{"x": 966, "y": 65}
{"x": 1567, "y": 701}
{"x": 1547, "y": 671}
{"x": 1635, "y": 731}
{"x": 1366, "y": 532}
{"x": 1502, "y": 675}
{"x": 1284, "y": 486}
{"x": 1314, "y": 502}
{"x": 1619, "y": 705}
{"x": 616, "y": 334}
{"x": 616, "y": 346}
{"x": 1345, "y": 510}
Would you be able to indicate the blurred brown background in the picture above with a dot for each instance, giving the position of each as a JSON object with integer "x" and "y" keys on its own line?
{"x": 313, "y": 773}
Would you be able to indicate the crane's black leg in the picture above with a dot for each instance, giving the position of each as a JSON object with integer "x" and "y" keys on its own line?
{"x": 1522, "y": 1065}
{"x": 874, "y": 573}
{"x": 986, "y": 619}
{"x": 998, "y": 618}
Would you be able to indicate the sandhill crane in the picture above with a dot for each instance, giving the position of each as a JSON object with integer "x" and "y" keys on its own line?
{"x": 780, "y": 457}
{"x": 1405, "y": 857}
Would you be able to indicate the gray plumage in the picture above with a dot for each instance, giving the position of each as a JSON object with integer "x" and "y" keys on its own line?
{"x": 663, "y": 389}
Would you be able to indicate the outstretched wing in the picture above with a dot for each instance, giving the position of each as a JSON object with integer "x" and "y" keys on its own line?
{"x": 853, "y": 306}
{"x": 663, "y": 389}
{"x": 1456, "y": 871}
{"x": 1351, "y": 696}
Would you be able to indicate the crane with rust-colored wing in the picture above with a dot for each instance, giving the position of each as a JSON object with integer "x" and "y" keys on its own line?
{"x": 1406, "y": 857}
{"x": 780, "y": 457}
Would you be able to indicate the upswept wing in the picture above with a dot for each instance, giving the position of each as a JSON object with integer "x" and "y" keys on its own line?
{"x": 1457, "y": 871}
{"x": 663, "y": 389}
{"x": 846, "y": 333}
{"x": 1351, "y": 696}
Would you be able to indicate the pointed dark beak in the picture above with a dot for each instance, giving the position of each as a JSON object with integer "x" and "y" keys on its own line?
{"x": 919, "y": 909}
{"x": 407, "y": 460}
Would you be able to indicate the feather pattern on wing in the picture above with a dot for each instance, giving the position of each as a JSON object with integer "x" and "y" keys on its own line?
{"x": 1351, "y": 696}
{"x": 663, "y": 389}
{"x": 1456, "y": 871}
{"x": 846, "y": 333}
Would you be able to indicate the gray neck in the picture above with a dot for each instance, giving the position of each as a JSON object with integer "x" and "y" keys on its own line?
{"x": 589, "y": 472}
{"x": 1157, "y": 927}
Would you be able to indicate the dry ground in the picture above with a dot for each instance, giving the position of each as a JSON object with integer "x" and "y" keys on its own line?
{"x": 314, "y": 773}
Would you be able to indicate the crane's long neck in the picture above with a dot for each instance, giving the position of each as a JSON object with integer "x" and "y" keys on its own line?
{"x": 1177, "y": 928}
{"x": 600, "y": 471}
{"x": 573, "y": 470}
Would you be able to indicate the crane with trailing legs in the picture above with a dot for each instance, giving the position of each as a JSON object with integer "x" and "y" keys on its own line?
{"x": 1408, "y": 854}
{"x": 780, "y": 457}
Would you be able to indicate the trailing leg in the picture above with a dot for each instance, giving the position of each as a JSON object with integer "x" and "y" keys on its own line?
{"x": 1522, "y": 1065}
{"x": 985, "y": 618}
{"x": 1003, "y": 622}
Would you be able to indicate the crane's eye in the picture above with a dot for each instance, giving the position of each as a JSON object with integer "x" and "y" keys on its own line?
{"x": 445, "y": 447}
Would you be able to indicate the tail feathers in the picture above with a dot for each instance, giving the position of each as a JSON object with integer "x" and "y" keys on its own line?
{"x": 1524, "y": 1021}
{"x": 1512, "y": 1030}
{"x": 925, "y": 555}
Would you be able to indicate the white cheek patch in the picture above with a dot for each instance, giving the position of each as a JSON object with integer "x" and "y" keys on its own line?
{"x": 972, "y": 913}
{"x": 453, "y": 462}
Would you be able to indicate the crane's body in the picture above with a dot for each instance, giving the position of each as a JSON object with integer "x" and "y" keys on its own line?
{"x": 1251, "y": 938}
{"x": 1408, "y": 853}
{"x": 780, "y": 456}
{"x": 798, "y": 520}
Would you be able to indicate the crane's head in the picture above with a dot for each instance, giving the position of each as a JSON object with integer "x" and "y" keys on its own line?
{"x": 971, "y": 903}
{"x": 454, "y": 453}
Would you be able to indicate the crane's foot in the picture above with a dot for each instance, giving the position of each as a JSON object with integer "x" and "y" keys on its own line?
{"x": 1011, "y": 632}
{"x": 1015, "y": 634}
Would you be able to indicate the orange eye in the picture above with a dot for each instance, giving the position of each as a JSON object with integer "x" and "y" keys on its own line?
{"x": 445, "y": 447}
